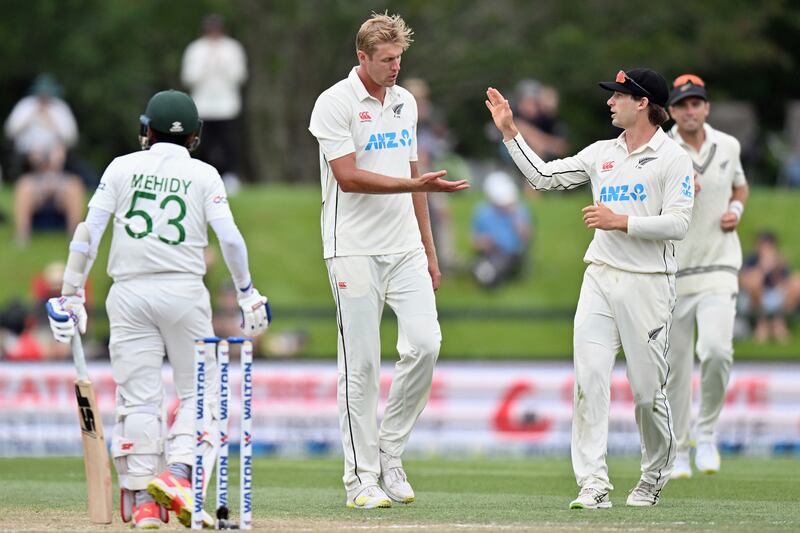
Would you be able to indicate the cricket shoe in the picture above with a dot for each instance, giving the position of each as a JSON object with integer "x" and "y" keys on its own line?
{"x": 706, "y": 457}
{"x": 393, "y": 479}
{"x": 149, "y": 515}
{"x": 644, "y": 494}
{"x": 371, "y": 497}
{"x": 175, "y": 494}
{"x": 683, "y": 467}
{"x": 591, "y": 498}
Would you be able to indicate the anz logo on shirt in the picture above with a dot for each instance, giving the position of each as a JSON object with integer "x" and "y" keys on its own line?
{"x": 686, "y": 187}
{"x": 388, "y": 140}
{"x": 622, "y": 193}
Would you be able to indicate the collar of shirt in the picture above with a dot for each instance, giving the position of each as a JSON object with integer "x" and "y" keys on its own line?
{"x": 169, "y": 149}
{"x": 362, "y": 93}
{"x": 709, "y": 140}
{"x": 654, "y": 143}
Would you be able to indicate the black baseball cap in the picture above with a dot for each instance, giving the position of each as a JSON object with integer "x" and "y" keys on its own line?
{"x": 640, "y": 82}
{"x": 687, "y": 85}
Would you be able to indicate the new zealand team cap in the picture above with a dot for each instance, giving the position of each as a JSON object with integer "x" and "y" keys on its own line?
{"x": 687, "y": 85}
{"x": 640, "y": 82}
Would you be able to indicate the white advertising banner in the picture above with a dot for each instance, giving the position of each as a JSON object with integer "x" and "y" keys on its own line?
{"x": 481, "y": 407}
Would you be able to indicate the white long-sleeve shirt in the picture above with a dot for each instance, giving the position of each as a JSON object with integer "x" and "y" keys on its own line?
{"x": 34, "y": 125}
{"x": 709, "y": 259}
{"x": 214, "y": 70}
{"x": 653, "y": 185}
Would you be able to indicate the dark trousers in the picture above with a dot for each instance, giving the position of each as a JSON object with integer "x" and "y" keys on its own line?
{"x": 219, "y": 145}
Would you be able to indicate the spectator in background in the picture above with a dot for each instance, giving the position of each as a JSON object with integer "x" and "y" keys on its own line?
{"x": 501, "y": 232}
{"x": 769, "y": 290}
{"x": 214, "y": 69}
{"x": 42, "y": 128}
{"x": 537, "y": 119}
{"x": 435, "y": 150}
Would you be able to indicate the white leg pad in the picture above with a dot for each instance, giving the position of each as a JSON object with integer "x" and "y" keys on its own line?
{"x": 138, "y": 446}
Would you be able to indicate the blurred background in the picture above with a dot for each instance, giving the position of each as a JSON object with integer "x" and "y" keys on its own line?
{"x": 95, "y": 63}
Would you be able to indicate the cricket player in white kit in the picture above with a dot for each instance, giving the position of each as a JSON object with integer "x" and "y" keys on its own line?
{"x": 642, "y": 189}
{"x": 161, "y": 202}
{"x": 709, "y": 259}
{"x": 378, "y": 250}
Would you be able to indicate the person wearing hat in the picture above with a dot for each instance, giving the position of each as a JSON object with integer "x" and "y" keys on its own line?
{"x": 643, "y": 192}
{"x": 43, "y": 128}
{"x": 501, "y": 231}
{"x": 162, "y": 202}
{"x": 709, "y": 259}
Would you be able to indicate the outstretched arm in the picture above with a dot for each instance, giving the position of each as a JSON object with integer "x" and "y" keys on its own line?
{"x": 561, "y": 174}
{"x": 353, "y": 179}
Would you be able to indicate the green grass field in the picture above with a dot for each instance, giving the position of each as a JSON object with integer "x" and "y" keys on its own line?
{"x": 281, "y": 226}
{"x": 464, "y": 495}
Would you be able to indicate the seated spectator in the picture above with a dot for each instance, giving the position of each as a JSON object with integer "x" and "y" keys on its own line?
{"x": 501, "y": 232}
{"x": 769, "y": 290}
{"x": 47, "y": 199}
{"x": 24, "y": 338}
{"x": 42, "y": 128}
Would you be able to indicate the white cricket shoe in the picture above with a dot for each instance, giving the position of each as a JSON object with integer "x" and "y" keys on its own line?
{"x": 371, "y": 497}
{"x": 706, "y": 457}
{"x": 394, "y": 480}
{"x": 591, "y": 498}
{"x": 683, "y": 467}
{"x": 644, "y": 494}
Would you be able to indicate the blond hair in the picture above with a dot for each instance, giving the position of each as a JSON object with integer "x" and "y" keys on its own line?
{"x": 383, "y": 28}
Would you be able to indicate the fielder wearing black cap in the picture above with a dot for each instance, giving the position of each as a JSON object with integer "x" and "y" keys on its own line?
{"x": 685, "y": 86}
{"x": 640, "y": 82}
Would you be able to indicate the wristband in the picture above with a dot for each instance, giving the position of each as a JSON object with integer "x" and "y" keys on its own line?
{"x": 736, "y": 207}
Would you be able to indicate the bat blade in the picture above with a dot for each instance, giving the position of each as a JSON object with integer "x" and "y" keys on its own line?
{"x": 95, "y": 454}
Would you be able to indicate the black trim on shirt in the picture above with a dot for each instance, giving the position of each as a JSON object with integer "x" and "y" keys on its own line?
{"x": 557, "y": 187}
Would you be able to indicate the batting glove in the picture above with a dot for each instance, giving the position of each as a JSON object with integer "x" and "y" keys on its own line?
{"x": 256, "y": 312}
{"x": 64, "y": 314}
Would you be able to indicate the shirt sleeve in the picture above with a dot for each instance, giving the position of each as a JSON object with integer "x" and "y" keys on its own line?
{"x": 412, "y": 156}
{"x": 216, "y": 201}
{"x": 560, "y": 174}
{"x": 105, "y": 197}
{"x": 330, "y": 124}
{"x": 739, "y": 178}
{"x": 676, "y": 206}
{"x": 234, "y": 251}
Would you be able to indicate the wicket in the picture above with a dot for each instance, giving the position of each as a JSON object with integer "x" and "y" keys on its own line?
{"x": 245, "y": 437}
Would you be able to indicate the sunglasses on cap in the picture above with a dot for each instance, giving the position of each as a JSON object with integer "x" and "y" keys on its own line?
{"x": 688, "y": 78}
{"x": 622, "y": 78}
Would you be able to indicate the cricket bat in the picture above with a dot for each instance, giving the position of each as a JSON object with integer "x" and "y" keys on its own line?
{"x": 95, "y": 453}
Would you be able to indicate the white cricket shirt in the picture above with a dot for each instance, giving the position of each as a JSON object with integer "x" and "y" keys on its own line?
{"x": 162, "y": 201}
{"x": 653, "y": 185}
{"x": 346, "y": 119}
{"x": 709, "y": 258}
{"x": 215, "y": 69}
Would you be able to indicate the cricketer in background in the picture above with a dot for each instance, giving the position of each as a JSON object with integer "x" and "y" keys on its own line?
{"x": 378, "y": 249}
{"x": 643, "y": 191}
{"x": 709, "y": 259}
{"x": 161, "y": 201}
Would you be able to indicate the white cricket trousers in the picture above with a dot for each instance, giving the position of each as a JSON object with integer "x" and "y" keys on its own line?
{"x": 151, "y": 317}
{"x": 361, "y": 286}
{"x": 620, "y": 309}
{"x": 714, "y": 313}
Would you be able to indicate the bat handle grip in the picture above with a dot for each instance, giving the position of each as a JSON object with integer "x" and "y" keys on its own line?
{"x": 79, "y": 357}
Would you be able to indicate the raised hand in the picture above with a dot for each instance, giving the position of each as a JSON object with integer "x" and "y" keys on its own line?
{"x": 501, "y": 113}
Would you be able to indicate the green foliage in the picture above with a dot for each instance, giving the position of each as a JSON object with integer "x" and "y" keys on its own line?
{"x": 112, "y": 55}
